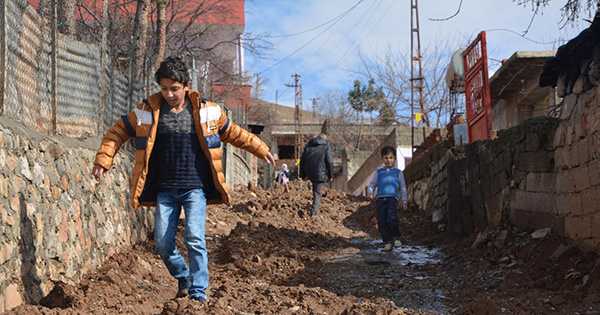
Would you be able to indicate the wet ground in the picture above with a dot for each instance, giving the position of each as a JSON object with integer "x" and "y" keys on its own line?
{"x": 266, "y": 256}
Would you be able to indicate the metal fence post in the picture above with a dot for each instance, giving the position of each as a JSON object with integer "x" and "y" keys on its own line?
{"x": 53, "y": 44}
{"x": 3, "y": 48}
{"x": 103, "y": 73}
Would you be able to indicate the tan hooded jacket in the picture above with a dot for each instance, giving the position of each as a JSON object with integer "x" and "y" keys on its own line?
{"x": 212, "y": 127}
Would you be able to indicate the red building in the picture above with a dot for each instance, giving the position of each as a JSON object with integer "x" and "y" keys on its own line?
{"x": 207, "y": 33}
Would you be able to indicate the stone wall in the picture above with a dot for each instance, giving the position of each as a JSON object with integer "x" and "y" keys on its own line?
{"x": 56, "y": 221}
{"x": 510, "y": 179}
{"x": 577, "y": 165}
{"x": 542, "y": 173}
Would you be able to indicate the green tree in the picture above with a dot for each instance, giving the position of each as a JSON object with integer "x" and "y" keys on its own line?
{"x": 365, "y": 98}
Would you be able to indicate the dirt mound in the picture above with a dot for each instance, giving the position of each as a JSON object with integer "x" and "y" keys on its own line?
{"x": 268, "y": 256}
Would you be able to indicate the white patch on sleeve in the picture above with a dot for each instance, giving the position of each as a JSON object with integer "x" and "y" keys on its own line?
{"x": 143, "y": 117}
{"x": 211, "y": 113}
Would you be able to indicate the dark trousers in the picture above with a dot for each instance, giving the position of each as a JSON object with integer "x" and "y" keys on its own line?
{"x": 317, "y": 191}
{"x": 387, "y": 219}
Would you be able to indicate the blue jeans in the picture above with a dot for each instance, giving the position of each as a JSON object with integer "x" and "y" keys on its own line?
{"x": 168, "y": 209}
{"x": 387, "y": 219}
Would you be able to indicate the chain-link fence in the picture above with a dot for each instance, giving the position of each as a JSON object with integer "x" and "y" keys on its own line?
{"x": 56, "y": 84}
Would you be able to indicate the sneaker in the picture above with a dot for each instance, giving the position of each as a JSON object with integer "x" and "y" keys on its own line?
{"x": 397, "y": 243}
{"x": 198, "y": 298}
{"x": 387, "y": 247}
{"x": 184, "y": 285}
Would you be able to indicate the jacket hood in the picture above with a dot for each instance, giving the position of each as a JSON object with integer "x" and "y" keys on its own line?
{"x": 317, "y": 141}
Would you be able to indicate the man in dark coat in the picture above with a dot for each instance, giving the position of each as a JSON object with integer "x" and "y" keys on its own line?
{"x": 316, "y": 164}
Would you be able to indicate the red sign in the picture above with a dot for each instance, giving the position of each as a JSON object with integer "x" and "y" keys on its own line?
{"x": 477, "y": 90}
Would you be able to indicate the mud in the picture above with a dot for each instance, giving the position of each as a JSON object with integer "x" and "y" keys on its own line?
{"x": 267, "y": 256}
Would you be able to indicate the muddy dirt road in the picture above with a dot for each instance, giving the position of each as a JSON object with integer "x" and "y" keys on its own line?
{"x": 266, "y": 256}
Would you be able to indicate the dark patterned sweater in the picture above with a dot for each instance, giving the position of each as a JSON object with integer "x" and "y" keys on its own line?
{"x": 180, "y": 162}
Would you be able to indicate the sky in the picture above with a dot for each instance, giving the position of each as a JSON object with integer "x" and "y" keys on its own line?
{"x": 321, "y": 39}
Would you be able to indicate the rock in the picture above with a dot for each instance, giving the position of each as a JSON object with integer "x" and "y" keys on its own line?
{"x": 594, "y": 72}
{"x": 541, "y": 233}
{"x": 144, "y": 264}
{"x": 578, "y": 86}
{"x": 501, "y": 239}
{"x": 257, "y": 259}
{"x": 480, "y": 240}
{"x": 55, "y": 151}
{"x": 561, "y": 251}
{"x": 294, "y": 309}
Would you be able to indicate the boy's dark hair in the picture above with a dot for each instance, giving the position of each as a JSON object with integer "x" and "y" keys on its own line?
{"x": 387, "y": 150}
{"x": 172, "y": 68}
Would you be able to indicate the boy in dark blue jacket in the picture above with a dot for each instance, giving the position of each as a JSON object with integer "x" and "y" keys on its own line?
{"x": 388, "y": 180}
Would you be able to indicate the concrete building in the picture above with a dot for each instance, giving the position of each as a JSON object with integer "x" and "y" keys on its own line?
{"x": 515, "y": 91}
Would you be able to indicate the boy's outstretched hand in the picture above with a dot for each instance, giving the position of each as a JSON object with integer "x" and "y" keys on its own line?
{"x": 270, "y": 159}
{"x": 99, "y": 172}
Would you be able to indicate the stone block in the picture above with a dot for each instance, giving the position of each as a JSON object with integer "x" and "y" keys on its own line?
{"x": 572, "y": 158}
{"x": 564, "y": 184}
{"x": 581, "y": 178}
{"x": 590, "y": 200}
{"x": 494, "y": 210}
{"x": 531, "y": 220}
{"x": 559, "y": 225}
{"x": 596, "y": 225}
{"x": 569, "y": 102}
{"x": 589, "y": 245}
{"x": 501, "y": 162}
{"x": 562, "y": 204}
{"x": 533, "y": 182}
{"x": 548, "y": 182}
{"x": 559, "y": 158}
{"x": 561, "y": 85}
{"x": 594, "y": 172}
{"x": 540, "y": 161}
{"x": 498, "y": 183}
{"x": 12, "y": 297}
{"x": 540, "y": 202}
{"x": 574, "y": 204}
{"x": 577, "y": 228}
{"x": 578, "y": 87}
{"x": 583, "y": 151}
{"x": 559, "y": 137}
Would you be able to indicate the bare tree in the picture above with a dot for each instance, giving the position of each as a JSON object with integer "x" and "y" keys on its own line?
{"x": 161, "y": 31}
{"x": 391, "y": 73}
{"x": 66, "y": 17}
{"x": 138, "y": 44}
{"x": 570, "y": 11}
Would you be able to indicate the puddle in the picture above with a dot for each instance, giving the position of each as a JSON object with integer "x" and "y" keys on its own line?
{"x": 402, "y": 269}
{"x": 402, "y": 256}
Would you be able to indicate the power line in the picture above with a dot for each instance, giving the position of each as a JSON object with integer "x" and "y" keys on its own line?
{"x": 316, "y": 27}
{"x": 520, "y": 35}
{"x": 297, "y": 50}
{"x": 448, "y": 18}
{"x": 354, "y": 46}
{"x": 341, "y": 39}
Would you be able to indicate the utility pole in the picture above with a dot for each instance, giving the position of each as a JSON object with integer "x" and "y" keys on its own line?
{"x": 297, "y": 118}
{"x": 314, "y": 107}
{"x": 416, "y": 79}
